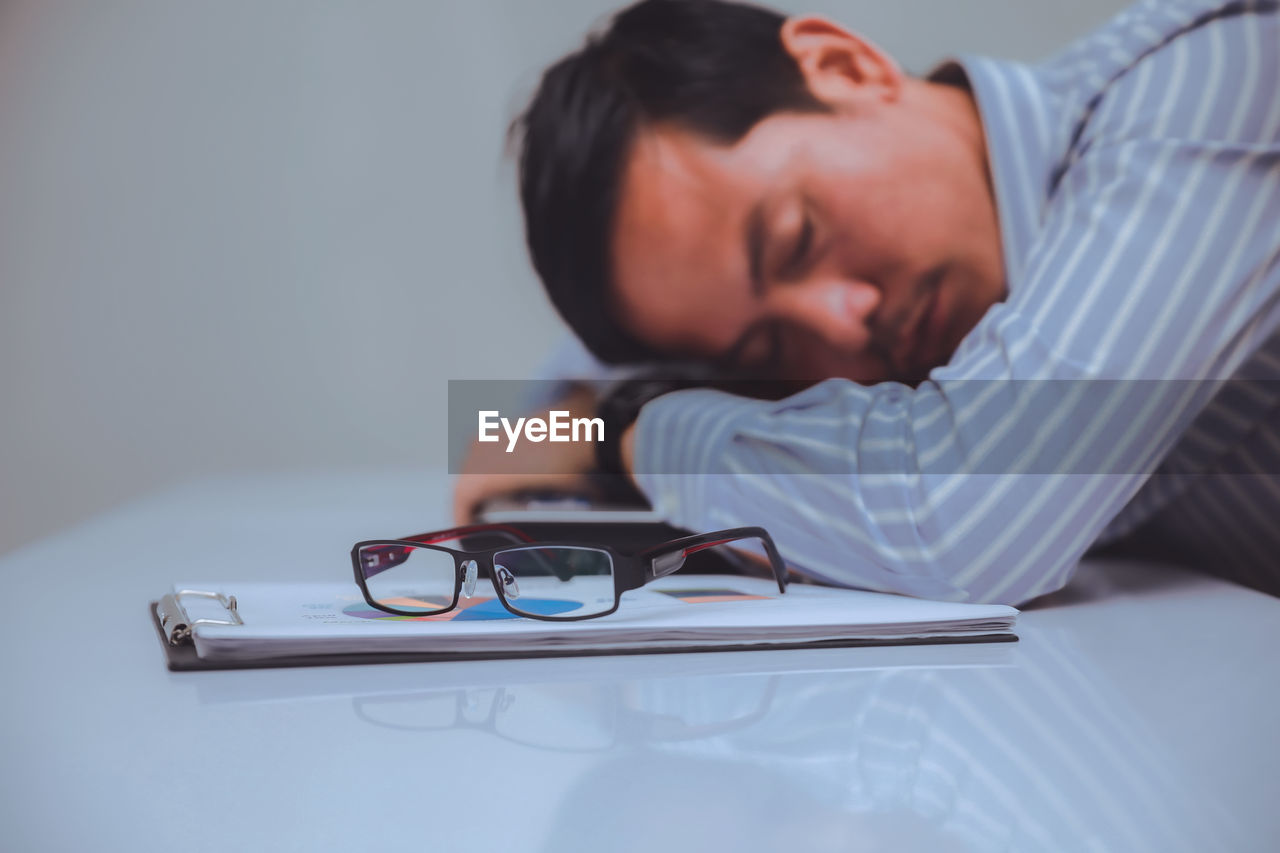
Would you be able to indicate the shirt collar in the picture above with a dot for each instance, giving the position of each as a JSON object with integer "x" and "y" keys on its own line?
{"x": 1019, "y": 118}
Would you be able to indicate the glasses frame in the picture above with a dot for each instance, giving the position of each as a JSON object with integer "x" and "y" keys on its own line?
{"x": 630, "y": 570}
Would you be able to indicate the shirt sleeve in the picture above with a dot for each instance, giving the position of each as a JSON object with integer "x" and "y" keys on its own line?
{"x": 1154, "y": 276}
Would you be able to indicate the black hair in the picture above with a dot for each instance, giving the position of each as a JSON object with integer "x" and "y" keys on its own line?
{"x": 709, "y": 66}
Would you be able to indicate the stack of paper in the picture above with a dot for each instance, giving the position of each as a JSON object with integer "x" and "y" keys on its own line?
{"x": 681, "y": 612}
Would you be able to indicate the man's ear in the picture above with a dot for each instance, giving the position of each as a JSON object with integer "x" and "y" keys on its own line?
{"x": 839, "y": 67}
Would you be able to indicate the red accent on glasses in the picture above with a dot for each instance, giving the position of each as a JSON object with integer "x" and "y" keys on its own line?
{"x": 705, "y": 545}
{"x": 467, "y": 530}
{"x": 389, "y": 556}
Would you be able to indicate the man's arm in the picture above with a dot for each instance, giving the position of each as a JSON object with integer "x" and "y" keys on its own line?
{"x": 564, "y": 381}
{"x": 1157, "y": 261}
{"x": 489, "y": 471}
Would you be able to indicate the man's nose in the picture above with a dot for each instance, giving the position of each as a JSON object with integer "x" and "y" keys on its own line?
{"x": 838, "y": 310}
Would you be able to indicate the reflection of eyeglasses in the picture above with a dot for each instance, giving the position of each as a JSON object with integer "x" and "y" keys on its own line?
{"x": 562, "y": 717}
{"x": 559, "y": 581}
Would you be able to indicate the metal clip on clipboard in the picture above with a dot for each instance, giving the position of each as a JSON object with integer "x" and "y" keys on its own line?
{"x": 177, "y": 625}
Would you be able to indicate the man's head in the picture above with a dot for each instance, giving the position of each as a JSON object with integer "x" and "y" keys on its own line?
{"x": 711, "y": 181}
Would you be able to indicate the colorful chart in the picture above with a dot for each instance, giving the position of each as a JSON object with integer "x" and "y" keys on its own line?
{"x": 467, "y": 609}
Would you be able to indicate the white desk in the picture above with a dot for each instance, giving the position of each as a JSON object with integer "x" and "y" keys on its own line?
{"x": 1137, "y": 713}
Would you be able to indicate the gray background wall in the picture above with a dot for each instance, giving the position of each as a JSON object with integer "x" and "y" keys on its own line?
{"x": 262, "y": 234}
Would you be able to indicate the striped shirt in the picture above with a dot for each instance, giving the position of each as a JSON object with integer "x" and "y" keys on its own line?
{"x": 1137, "y": 183}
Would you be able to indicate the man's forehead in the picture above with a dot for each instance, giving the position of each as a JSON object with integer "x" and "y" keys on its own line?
{"x": 676, "y": 239}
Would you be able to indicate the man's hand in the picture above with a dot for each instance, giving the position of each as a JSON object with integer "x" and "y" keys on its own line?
{"x": 490, "y": 471}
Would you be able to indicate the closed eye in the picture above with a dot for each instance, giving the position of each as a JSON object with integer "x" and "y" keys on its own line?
{"x": 800, "y": 252}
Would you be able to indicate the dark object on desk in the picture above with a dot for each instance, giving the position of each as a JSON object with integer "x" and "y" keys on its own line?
{"x": 626, "y": 522}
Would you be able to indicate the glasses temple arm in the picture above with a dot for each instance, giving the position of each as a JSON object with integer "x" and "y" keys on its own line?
{"x": 390, "y": 556}
{"x": 662, "y": 560}
{"x": 515, "y": 534}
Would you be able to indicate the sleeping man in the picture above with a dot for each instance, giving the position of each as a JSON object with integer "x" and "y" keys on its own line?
{"x": 1029, "y": 309}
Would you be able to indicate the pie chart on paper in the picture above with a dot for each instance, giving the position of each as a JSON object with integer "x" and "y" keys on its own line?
{"x": 473, "y": 609}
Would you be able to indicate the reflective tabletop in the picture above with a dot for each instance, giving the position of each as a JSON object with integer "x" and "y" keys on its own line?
{"x": 1137, "y": 712}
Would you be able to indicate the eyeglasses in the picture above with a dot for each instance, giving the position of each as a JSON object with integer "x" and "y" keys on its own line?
{"x": 555, "y": 581}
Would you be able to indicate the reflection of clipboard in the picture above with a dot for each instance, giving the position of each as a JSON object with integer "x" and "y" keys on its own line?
{"x": 292, "y": 625}
{"x": 302, "y": 683}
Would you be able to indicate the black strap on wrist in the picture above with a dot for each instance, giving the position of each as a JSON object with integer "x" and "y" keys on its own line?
{"x": 621, "y": 403}
{"x": 619, "y": 408}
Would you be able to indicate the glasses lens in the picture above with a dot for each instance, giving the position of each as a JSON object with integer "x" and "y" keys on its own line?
{"x": 408, "y": 579}
{"x": 557, "y": 582}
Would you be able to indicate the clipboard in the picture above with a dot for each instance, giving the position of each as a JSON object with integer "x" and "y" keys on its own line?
{"x": 174, "y": 627}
